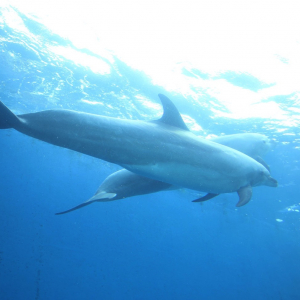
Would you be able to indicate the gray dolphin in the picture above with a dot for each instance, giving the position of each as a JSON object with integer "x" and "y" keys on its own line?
{"x": 254, "y": 145}
{"x": 163, "y": 150}
{"x": 124, "y": 184}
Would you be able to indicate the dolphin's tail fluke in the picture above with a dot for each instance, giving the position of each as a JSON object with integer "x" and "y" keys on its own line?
{"x": 7, "y": 118}
{"x": 101, "y": 197}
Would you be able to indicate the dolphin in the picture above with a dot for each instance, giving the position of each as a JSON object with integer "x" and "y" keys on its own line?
{"x": 124, "y": 184}
{"x": 254, "y": 145}
{"x": 164, "y": 149}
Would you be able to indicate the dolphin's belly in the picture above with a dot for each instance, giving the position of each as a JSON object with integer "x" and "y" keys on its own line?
{"x": 211, "y": 180}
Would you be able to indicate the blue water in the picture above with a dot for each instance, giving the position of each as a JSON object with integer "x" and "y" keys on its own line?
{"x": 159, "y": 246}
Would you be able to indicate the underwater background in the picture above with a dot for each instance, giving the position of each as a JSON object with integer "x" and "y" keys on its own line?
{"x": 157, "y": 246}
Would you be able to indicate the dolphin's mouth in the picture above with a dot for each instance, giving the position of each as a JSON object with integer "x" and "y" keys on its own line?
{"x": 272, "y": 182}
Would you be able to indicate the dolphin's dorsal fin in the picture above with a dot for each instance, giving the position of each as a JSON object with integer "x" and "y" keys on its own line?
{"x": 171, "y": 115}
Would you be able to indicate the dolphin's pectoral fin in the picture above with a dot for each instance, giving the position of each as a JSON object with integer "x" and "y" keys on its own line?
{"x": 171, "y": 115}
{"x": 98, "y": 197}
{"x": 102, "y": 196}
{"x": 206, "y": 197}
{"x": 245, "y": 194}
{"x": 261, "y": 161}
{"x": 76, "y": 207}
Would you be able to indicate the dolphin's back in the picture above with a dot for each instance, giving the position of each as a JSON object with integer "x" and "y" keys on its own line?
{"x": 252, "y": 144}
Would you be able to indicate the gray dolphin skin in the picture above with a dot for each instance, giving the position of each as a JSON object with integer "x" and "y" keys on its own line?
{"x": 254, "y": 145}
{"x": 124, "y": 184}
{"x": 164, "y": 150}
